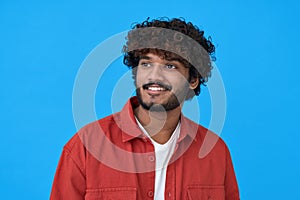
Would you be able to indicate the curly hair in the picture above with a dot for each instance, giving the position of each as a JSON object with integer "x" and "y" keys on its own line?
{"x": 199, "y": 66}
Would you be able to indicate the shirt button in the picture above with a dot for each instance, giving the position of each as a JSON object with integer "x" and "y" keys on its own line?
{"x": 150, "y": 193}
{"x": 151, "y": 158}
{"x": 169, "y": 194}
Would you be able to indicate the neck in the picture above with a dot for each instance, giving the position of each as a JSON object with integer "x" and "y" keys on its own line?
{"x": 159, "y": 125}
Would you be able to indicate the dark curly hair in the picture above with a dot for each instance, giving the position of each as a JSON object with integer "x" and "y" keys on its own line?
{"x": 202, "y": 69}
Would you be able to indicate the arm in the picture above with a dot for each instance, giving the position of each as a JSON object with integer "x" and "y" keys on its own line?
{"x": 69, "y": 181}
{"x": 231, "y": 187}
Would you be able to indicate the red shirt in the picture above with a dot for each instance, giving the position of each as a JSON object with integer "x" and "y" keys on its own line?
{"x": 112, "y": 159}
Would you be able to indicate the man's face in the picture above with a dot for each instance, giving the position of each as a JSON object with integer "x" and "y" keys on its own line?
{"x": 162, "y": 84}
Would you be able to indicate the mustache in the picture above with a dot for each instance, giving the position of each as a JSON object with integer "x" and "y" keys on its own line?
{"x": 159, "y": 83}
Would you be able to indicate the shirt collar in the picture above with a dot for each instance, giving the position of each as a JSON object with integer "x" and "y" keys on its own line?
{"x": 130, "y": 129}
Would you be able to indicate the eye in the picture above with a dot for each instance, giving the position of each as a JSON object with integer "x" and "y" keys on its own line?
{"x": 170, "y": 66}
{"x": 145, "y": 64}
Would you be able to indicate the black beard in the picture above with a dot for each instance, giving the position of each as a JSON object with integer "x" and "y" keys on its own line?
{"x": 172, "y": 103}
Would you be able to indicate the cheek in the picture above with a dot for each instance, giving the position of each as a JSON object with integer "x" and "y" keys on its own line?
{"x": 179, "y": 81}
{"x": 139, "y": 80}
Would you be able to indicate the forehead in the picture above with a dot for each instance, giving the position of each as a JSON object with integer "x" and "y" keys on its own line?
{"x": 162, "y": 55}
{"x": 155, "y": 57}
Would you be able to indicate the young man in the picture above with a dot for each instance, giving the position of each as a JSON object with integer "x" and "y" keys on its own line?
{"x": 149, "y": 150}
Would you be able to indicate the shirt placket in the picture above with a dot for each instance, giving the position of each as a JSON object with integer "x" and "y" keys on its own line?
{"x": 150, "y": 176}
{"x": 170, "y": 182}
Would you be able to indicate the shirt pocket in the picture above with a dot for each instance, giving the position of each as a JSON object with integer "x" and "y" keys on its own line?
{"x": 118, "y": 193}
{"x": 200, "y": 192}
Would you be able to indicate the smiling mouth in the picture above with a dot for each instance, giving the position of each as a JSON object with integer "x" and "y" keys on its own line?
{"x": 156, "y": 87}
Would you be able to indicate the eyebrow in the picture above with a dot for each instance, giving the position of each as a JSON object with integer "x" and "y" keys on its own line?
{"x": 145, "y": 57}
{"x": 174, "y": 59}
{"x": 171, "y": 59}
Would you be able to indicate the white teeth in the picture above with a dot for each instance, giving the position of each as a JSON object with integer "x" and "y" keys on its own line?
{"x": 156, "y": 89}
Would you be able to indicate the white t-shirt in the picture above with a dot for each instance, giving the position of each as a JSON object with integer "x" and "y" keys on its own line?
{"x": 163, "y": 153}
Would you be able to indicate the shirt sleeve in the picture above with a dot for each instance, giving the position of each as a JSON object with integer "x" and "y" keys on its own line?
{"x": 231, "y": 186}
{"x": 69, "y": 181}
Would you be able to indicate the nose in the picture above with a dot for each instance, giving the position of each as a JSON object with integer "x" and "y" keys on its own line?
{"x": 156, "y": 72}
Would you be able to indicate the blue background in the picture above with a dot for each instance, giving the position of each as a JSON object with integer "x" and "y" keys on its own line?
{"x": 43, "y": 44}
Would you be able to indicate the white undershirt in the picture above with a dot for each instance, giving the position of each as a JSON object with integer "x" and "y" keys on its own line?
{"x": 163, "y": 153}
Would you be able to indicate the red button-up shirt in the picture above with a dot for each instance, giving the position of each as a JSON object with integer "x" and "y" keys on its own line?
{"x": 112, "y": 159}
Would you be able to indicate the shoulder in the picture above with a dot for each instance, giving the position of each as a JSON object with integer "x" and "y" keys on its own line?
{"x": 210, "y": 142}
{"x": 89, "y": 131}
{"x": 100, "y": 125}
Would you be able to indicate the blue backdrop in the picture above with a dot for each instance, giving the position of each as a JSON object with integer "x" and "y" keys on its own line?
{"x": 43, "y": 44}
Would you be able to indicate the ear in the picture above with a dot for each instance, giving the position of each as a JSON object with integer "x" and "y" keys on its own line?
{"x": 194, "y": 83}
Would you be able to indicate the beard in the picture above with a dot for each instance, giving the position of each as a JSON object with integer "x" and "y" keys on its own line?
{"x": 173, "y": 102}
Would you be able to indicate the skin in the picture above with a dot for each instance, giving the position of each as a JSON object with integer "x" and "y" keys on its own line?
{"x": 163, "y": 102}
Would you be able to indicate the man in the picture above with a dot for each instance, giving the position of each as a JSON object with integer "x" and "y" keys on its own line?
{"x": 149, "y": 150}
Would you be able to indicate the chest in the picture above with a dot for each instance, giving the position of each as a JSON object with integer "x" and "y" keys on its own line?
{"x": 187, "y": 177}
